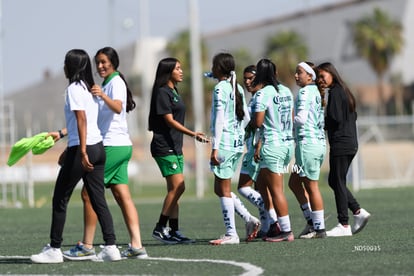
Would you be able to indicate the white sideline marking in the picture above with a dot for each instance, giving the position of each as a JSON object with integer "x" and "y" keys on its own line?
{"x": 14, "y": 257}
{"x": 250, "y": 270}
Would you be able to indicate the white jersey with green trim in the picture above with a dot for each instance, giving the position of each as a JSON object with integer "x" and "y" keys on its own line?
{"x": 278, "y": 108}
{"x": 250, "y": 134}
{"x": 227, "y": 131}
{"x": 114, "y": 126}
{"x": 310, "y": 129}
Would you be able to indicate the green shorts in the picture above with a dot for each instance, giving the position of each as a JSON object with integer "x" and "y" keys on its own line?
{"x": 276, "y": 158}
{"x": 170, "y": 164}
{"x": 116, "y": 165}
{"x": 249, "y": 166}
{"x": 309, "y": 159}
{"x": 228, "y": 166}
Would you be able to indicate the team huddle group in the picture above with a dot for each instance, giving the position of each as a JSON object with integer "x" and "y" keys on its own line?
{"x": 270, "y": 130}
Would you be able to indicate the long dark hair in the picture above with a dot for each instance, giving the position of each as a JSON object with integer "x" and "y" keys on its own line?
{"x": 162, "y": 76}
{"x": 78, "y": 67}
{"x": 266, "y": 74}
{"x": 225, "y": 65}
{"x": 336, "y": 78}
{"x": 114, "y": 59}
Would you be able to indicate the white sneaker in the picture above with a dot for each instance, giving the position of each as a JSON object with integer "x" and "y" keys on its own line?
{"x": 225, "y": 239}
{"x": 49, "y": 255}
{"x": 339, "y": 231}
{"x": 360, "y": 220}
{"x": 109, "y": 253}
{"x": 252, "y": 228}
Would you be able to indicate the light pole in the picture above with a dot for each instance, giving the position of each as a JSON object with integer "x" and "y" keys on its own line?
{"x": 2, "y": 123}
{"x": 197, "y": 91}
{"x": 144, "y": 60}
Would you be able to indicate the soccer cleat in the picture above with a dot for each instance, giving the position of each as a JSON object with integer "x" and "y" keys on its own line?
{"x": 49, "y": 255}
{"x": 252, "y": 228}
{"x": 134, "y": 253}
{"x": 109, "y": 253}
{"x": 261, "y": 234}
{"x": 339, "y": 231}
{"x": 79, "y": 253}
{"x": 283, "y": 236}
{"x": 163, "y": 234}
{"x": 320, "y": 234}
{"x": 360, "y": 220}
{"x": 226, "y": 239}
{"x": 180, "y": 238}
{"x": 274, "y": 230}
{"x": 307, "y": 230}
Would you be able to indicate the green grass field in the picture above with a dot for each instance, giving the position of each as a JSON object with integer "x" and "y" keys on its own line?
{"x": 384, "y": 247}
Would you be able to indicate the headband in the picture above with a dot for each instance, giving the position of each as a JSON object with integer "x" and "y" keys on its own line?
{"x": 308, "y": 69}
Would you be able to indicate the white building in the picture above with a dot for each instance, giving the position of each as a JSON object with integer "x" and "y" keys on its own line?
{"x": 327, "y": 31}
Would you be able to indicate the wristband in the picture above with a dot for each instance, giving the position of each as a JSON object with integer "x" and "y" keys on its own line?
{"x": 61, "y": 134}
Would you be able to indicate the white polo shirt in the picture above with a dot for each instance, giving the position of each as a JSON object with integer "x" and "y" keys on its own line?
{"x": 79, "y": 98}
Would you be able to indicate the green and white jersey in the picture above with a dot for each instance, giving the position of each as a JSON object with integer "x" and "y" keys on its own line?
{"x": 309, "y": 116}
{"x": 250, "y": 133}
{"x": 227, "y": 131}
{"x": 278, "y": 108}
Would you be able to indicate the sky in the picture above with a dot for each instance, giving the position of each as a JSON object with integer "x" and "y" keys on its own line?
{"x": 35, "y": 35}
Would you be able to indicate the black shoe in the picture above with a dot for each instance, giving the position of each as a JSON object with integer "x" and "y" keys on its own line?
{"x": 180, "y": 238}
{"x": 274, "y": 230}
{"x": 316, "y": 234}
{"x": 163, "y": 234}
{"x": 320, "y": 234}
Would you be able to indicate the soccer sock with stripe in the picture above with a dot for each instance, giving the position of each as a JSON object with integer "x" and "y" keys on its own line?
{"x": 227, "y": 208}
{"x": 306, "y": 209}
{"x": 284, "y": 223}
{"x": 318, "y": 219}
{"x": 240, "y": 208}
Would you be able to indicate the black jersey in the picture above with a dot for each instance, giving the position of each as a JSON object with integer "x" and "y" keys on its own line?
{"x": 166, "y": 140}
{"x": 340, "y": 123}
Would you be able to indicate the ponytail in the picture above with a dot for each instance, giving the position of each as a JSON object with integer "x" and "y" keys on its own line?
{"x": 130, "y": 103}
{"x": 238, "y": 100}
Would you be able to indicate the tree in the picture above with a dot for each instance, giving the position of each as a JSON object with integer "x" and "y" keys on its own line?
{"x": 378, "y": 38}
{"x": 286, "y": 50}
{"x": 243, "y": 58}
{"x": 179, "y": 48}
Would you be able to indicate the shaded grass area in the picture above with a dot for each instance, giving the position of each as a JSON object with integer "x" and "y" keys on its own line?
{"x": 383, "y": 248}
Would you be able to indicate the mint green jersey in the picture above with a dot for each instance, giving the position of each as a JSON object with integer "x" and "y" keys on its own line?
{"x": 309, "y": 129}
{"x": 250, "y": 133}
{"x": 227, "y": 131}
{"x": 278, "y": 108}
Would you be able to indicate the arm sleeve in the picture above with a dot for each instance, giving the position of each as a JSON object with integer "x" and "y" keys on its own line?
{"x": 259, "y": 102}
{"x": 217, "y": 119}
{"x": 335, "y": 106}
{"x": 119, "y": 90}
{"x": 301, "y": 108}
{"x": 163, "y": 103}
{"x": 246, "y": 119}
{"x": 76, "y": 97}
{"x": 218, "y": 128}
{"x": 301, "y": 117}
